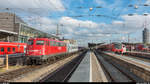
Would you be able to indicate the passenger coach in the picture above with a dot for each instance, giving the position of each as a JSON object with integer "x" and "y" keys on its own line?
{"x": 12, "y": 48}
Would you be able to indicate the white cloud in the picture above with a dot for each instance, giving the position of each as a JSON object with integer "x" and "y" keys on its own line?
{"x": 72, "y": 29}
{"x": 101, "y": 2}
{"x": 36, "y": 6}
{"x": 68, "y": 21}
{"x": 70, "y": 26}
{"x": 147, "y": 2}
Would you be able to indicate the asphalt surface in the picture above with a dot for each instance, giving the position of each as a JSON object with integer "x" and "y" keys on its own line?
{"x": 82, "y": 73}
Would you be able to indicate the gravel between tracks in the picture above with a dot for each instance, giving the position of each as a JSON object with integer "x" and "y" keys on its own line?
{"x": 36, "y": 75}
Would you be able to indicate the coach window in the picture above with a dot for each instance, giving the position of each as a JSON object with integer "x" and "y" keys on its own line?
{"x": 13, "y": 49}
{"x": 54, "y": 43}
{"x": 8, "y": 49}
{"x": 2, "y": 49}
{"x": 51, "y": 43}
{"x": 65, "y": 44}
{"x": 59, "y": 44}
{"x": 47, "y": 43}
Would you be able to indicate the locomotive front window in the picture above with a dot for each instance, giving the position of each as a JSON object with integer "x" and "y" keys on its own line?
{"x": 118, "y": 46}
{"x": 39, "y": 42}
{"x": 30, "y": 42}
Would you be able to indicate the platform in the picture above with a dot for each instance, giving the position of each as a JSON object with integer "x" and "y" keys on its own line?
{"x": 89, "y": 70}
{"x": 131, "y": 59}
{"x": 82, "y": 73}
{"x": 136, "y": 66}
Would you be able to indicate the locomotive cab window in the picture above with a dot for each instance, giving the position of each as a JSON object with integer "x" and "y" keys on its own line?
{"x": 2, "y": 49}
{"x": 39, "y": 42}
{"x": 30, "y": 42}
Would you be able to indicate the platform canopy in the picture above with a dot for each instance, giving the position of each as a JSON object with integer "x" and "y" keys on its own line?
{"x": 5, "y": 35}
{"x": 7, "y": 32}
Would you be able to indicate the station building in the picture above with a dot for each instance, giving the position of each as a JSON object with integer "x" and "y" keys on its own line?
{"x": 14, "y": 29}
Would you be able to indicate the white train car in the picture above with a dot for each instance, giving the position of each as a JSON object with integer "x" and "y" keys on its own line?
{"x": 72, "y": 45}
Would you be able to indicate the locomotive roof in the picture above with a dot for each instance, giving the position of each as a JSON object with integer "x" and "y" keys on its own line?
{"x": 45, "y": 39}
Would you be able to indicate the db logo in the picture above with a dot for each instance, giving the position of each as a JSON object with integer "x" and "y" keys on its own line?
{"x": 59, "y": 48}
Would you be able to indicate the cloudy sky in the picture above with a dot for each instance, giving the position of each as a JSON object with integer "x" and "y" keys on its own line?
{"x": 108, "y": 19}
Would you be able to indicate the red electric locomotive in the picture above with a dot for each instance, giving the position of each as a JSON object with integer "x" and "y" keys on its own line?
{"x": 12, "y": 48}
{"x": 40, "y": 49}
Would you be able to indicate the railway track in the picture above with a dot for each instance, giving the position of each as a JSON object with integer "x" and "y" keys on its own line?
{"x": 5, "y": 77}
{"x": 146, "y": 59}
{"x": 63, "y": 73}
{"x": 114, "y": 72}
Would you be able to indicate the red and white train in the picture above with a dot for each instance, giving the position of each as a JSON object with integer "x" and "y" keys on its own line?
{"x": 37, "y": 49}
{"x": 41, "y": 49}
{"x": 12, "y": 48}
{"x": 118, "y": 48}
{"x": 114, "y": 47}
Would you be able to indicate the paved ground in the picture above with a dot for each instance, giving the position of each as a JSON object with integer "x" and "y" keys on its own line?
{"x": 82, "y": 73}
{"x": 89, "y": 70}
{"x": 97, "y": 72}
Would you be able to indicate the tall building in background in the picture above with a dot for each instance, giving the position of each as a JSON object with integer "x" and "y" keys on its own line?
{"x": 145, "y": 36}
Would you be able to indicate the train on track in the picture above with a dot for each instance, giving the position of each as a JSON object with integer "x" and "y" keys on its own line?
{"x": 12, "y": 48}
{"x": 118, "y": 48}
{"x": 40, "y": 50}
{"x": 142, "y": 47}
{"x": 114, "y": 47}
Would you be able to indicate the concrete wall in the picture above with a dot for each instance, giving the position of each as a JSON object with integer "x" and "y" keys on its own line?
{"x": 7, "y": 21}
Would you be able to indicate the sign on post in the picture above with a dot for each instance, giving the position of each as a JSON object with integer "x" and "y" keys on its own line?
{"x": 7, "y": 62}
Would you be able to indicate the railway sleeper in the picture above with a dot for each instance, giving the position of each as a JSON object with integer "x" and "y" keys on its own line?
{"x": 138, "y": 71}
{"x": 126, "y": 71}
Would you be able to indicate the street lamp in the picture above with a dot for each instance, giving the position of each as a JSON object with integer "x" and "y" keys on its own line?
{"x": 91, "y": 9}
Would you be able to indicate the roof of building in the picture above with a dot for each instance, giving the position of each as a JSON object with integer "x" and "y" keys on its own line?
{"x": 8, "y": 32}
